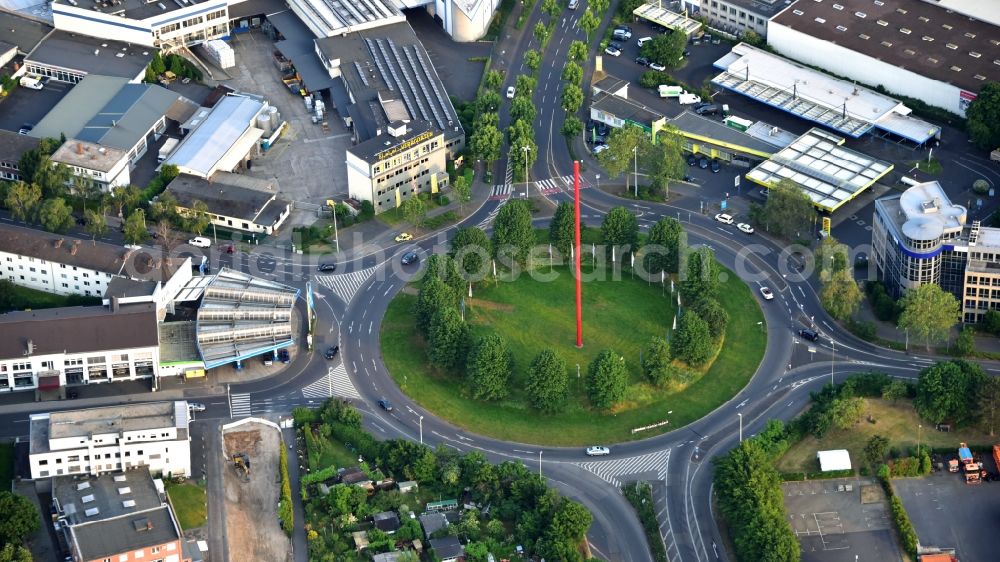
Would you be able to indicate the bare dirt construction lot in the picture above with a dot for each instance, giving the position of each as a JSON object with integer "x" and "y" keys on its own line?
{"x": 251, "y": 507}
{"x": 838, "y": 519}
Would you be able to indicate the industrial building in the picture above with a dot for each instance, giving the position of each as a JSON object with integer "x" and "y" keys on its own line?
{"x": 116, "y": 516}
{"x": 152, "y": 24}
{"x": 920, "y": 236}
{"x": 913, "y": 48}
{"x": 234, "y": 201}
{"x": 96, "y": 441}
{"x": 224, "y": 137}
{"x": 840, "y": 105}
{"x": 68, "y": 57}
{"x": 110, "y": 112}
{"x": 830, "y": 174}
{"x": 656, "y": 13}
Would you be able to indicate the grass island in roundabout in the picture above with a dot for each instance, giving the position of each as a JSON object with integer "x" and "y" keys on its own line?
{"x": 532, "y": 315}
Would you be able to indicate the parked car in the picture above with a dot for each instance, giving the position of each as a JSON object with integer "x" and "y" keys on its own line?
{"x": 703, "y": 163}
{"x": 602, "y": 129}
{"x": 327, "y": 267}
{"x": 598, "y": 451}
{"x": 724, "y": 218}
{"x": 510, "y": 92}
{"x": 404, "y": 237}
{"x": 268, "y": 359}
{"x": 642, "y": 61}
{"x": 200, "y": 242}
{"x": 25, "y": 129}
{"x": 613, "y": 51}
{"x": 643, "y": 40}
{"x": 600, "y": 148}
{"x": 715, "y": 166}
{"x": 657, "y": 66}
{"x": 745, "y": 228}
{"x": 808, "y": 334}
{"x": 692, "y": 160}
{"x": 331, "y": 352}
{"x": 196, "y": 406}
{"x": 283, "y": 355}
{"x": 385, "y": 404}
{"x": 72, "y": 394}
{"x": 409, "y": 257}
{"x": 766, "y": 293}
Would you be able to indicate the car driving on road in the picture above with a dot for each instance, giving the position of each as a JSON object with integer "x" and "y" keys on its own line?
{"x": 808, "y": 334}
{"x": 745, "y": 228}
{"x": 385, "y": 404}
{"x": 510, "y": 92}
{"x": 724, "y": 218}
{"x": 327, "y": 267}
{"x": 408, "y": 258}
{"x": 404, "y": 237}
{"x": 598, "y": 451}
{"x": 196, "y": 407}
{"x": 766, "y": 293}
{"x": 331, "y": 352}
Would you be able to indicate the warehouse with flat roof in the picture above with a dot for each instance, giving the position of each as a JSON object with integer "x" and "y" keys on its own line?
{"x": 910, "y": 47}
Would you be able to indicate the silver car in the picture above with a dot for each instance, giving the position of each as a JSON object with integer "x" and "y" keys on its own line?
{"x": 598, "y": 451}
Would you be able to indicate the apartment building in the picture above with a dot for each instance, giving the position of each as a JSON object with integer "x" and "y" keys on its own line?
{"x": 152, "y": 435}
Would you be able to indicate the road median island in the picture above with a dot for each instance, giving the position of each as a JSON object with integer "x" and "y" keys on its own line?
{"x": 622, "y": 314}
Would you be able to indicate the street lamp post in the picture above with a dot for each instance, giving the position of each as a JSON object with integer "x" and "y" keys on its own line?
{"x": 833, "y": 357}
{"x": 420, "y": 421}
{"x": 525, "y": 148}
{"x": 598, "y": 176}
{"x": 740, "y": 415}
{"x": 539, "y": 462}
{"x": 919, "y": 428}
{"x": 635, "y": 154}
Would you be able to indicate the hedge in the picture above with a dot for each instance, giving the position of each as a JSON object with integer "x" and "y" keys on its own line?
{"x": 640, "y": 495}
{"x": 799, "y": 476}
{"x": 285, "y": 512}
{"x": 907, "y": 535}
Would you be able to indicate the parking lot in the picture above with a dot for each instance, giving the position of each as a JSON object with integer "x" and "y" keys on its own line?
{"x": 833, "y": 524}
{"x": 308, "y": 160}
{"x": 948, "y": 513}
{"x": 25, "y": 105}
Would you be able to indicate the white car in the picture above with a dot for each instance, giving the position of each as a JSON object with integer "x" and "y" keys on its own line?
{"x": 510, "y": 92}
{"x": 598, "y": 451}
{"x": 657, "y": 66}
{"x": 724, "y": 218}
{"x": 745, "y": 228}
{"x": 643, "y": 40}
{"x": 201, "y": 242}
{"x": 613, "y": 51}
{"x": 196, "y": 406}
{"x": 766, "y": 293}
{"x": 600, "y": 148}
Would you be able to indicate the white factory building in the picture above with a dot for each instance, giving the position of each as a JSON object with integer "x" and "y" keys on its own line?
{"x": 910, "y": 47}
{"x": 176, "y": 23}
{"x": 112, "y": 439}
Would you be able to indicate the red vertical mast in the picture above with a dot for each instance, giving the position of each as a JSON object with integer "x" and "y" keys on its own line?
{"x": 576, "y": 265}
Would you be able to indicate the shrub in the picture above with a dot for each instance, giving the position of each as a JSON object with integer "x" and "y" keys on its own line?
{"x": 864, "y": 329}
{"x": 285, "y": 512}
{"x": 981, "y": 187}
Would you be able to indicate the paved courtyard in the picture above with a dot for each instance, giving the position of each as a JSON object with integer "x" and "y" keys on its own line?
{"x": 948, "y": 513}
{"x": 308, "y": 160}
{"x": 833, "y": 524}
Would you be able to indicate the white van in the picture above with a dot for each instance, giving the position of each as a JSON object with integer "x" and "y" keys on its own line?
{"x": 573, "y": 4}
{"x": 201, "y": 242}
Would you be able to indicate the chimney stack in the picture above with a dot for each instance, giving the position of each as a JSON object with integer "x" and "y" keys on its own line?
{"x": 114, "y": 304}
{"x": 79, "y": 148}
{"x": 59, "y": 243}
{"x": 72, "y": 250}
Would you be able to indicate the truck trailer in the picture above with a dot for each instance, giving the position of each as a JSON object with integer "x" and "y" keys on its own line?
{"x": 670, "y": 91}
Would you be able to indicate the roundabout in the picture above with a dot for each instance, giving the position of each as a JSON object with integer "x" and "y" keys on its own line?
{"x": 534, "y": 312}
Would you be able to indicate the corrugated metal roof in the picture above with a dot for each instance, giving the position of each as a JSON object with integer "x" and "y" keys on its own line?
{"x": 206, "y": 145}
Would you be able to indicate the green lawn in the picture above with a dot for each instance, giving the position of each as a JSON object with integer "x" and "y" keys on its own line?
{"x": 188, "y": 500}
{"x": 622, "y": 315}
{"x": 6, "y": 465}
{"x": 23, "y": 298}
{"x": 323, "y": 452}
{"x": 897, "y": 421}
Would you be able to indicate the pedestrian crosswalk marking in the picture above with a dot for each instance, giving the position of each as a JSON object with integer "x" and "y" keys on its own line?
{"x": 612, "y": 471}
{"x": 345, "y": 285}
{"x": 240, "y": 406}
{"x": 337, "y": 379}
{"x": 501, "y": 192}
